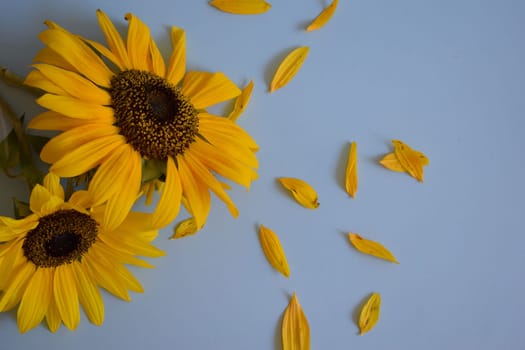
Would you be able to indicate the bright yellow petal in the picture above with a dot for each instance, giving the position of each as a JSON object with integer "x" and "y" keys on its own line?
{"x": 169, "y": 203}
{"x": 227, "y": 128}
{"x": 10, "y": 228}
{"x": 78, "y": 54}
{"x": 295, "y": 331}
{"x": 52, "y": 184}
{"x": 289, "y": 67}
{"x": 38, "y": 80}
{"x": 114, "y": 40}
{"x": 55, "y": 121}
{"x": 323, "y": 17}
{"x": 66, "y": 296}
{"x": 47, "y": 55}
{"x": 242, "y": 7}
{"x": 104, "y": 274}
{"x": 351, "y": 179}
{"x": 75, "y": 108}
{"x": 117, "y": 180}
{"x": 370, "y": 313}
{"x": 206, "y": 89}
{"x": 303, "y": 193}
{"x": 88, "y": 294}
{"x": 81, "y": 199}
{"x": 185, "y": 228}
{"x": 410, "y": 159}
{"x": 12, "y": 253}
{"x": 138, "y": 42}
{"x": 75, "y": 85}
{"x": 196, "y": 193}
{"x": 128, "y": 243}
{"x": 35, "y": 301}
{"x": 53, "y": 319}
{"x": 157, "y": 61}
{"x": 373, "y": 248}
{"x": 273, "y": 250}
{"x": 241, "y": 102}
{"x": 391, "y": 162}
{"x": 39, "y": 196}
{"x": 15, "y": 287}
{"x": 207, "y": 178}
{"x": 177, "y": 64}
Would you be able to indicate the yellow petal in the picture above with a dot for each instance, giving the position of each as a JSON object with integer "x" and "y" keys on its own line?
{"x": 369, "y": 313}
{"x": 323, "y": 17}
{"x": 371, "y": 248}
{"x": 351, "y": 171}
{"x": 196, "y": 193}
{"x": 409, "y": 159}
{"x": 52, "y": 184}
{"x": 289, "y": 67}
{"x": 66, "y": 296}
{"x": 104, "y": 274}
{"x": 177, "y": 64}
{"x": 273, "y": 250}
{"x": 16, "y": 286}
{"x": 35, "y": 301}
{"x": 185, "y": 228}
{"x": 169, "y": 203}
{"x": 75, "y": 108}
{"x": 206, "y": 89}
{"x": 157, "y": 61}
{"x": 88, "y": 294}
{"x": 241, "y": 102}
{"x": 46, "y": 55}
{"x": 227, "y": 128}
{"x": 303, "y": 193}
{"x": 75, "y": 84}
{"x": 391, "y": 162}
{"x": 78, "y": 54}
{"x": 295, "y": 331}
{"x": 39, "y": 196}
{"x": 114, "y": 39}
{"x": 38, "y": 80}
{"x": 53, "y": 316}
{"x": 138, "y": 42}
{"x": 50, "y": 120}
{"x": 242, "y": 7}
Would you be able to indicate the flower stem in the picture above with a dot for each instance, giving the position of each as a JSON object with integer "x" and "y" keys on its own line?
{"x": 14, "y": 80}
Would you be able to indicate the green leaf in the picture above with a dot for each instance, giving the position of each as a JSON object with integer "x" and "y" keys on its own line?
{"x": 21, "y": 209}
{"x": 37, "y": 142}
{"x": 9, "y": 151}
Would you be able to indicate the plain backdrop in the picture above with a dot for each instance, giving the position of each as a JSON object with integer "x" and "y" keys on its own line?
{"x": 447, "y": 77}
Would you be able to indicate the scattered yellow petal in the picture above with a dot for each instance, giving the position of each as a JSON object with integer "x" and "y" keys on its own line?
{"x": 323, "y": 17}
{"x": 371, "y": 248}
{"x": 289, "y": 67}
{"x": 369, "y": 313}
{"x": 303, "y": 193}
{"x": 351, "y": 171}
{"x": 273, "y": 250}
{"x": 295, "y": 332}
{"x": 185, "y": 228}
{"x": 409, "y": 159}
{"x": 241, "y": 102}
{"x": 391, "y": 163}
{"x": 242, "y": 7}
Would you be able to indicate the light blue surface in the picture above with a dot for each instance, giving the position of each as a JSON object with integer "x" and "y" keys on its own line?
{"x": 447, "y": 77}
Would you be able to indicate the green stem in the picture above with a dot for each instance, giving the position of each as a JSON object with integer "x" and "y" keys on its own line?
{"x": 13, "y": 79}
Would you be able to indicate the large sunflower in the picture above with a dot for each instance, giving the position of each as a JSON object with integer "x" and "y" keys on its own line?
{"x": 60, "y": 255}
{"x": 138, "y": 121}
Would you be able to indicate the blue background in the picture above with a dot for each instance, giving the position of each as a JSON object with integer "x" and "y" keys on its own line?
{"x": 447, "y": 77}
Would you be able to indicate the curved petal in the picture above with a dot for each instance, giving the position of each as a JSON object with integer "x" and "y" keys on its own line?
{"x": 114, "y": 40}
{"x": 78, "y": 54}
{"x": 74, "y": 84}
{"x": 196, "y": 193}
{"x": 157, "y": 62}
{"x": 16, "y": 286}
{"x": 228, "y": 128}
{"x": 53, "y": 319}
{"x": 35, "y": 300}
{"x": 75, "y": 108}
{"x": 86, "y": 156}
{"x": 11, "y": 252}
{"x": 39, "y": 197}
{"x": 206, "y": 177}
{"x": 104, "y": 273}
{"x": 169, "y": 203}
{"x": 55, "y": 121}
{"x": 177, "y": 64}
{"x": 138, "y": 42}
{"x": 82, "y": 199}
{"x": 52, "y": 184}
{"x": 66, "y": 296}
{"x": 38, "y": 80}
{"x": 10, "y": 228}
{"x": 206, "y": 89}
{"x": 88, "y": 294}
{"x": 49, "y": 56}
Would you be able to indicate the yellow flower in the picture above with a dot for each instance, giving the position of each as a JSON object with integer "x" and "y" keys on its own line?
{"x": 62, "y": 253}
{"x": 123, "y": 111}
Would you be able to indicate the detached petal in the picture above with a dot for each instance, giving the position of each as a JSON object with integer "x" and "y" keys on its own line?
{"x": 289, "y": 67}
{"x": 323, "y": 17}
{"x": 242, "y": 7}
{"x": 303, "y": 193}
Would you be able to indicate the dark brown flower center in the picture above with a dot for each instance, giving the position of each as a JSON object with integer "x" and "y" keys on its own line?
{"x": 60, "y": 238}
{"x": 152, "y": 114}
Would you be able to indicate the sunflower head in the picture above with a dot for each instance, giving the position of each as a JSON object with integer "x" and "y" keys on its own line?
{"x": 61, "y": 254}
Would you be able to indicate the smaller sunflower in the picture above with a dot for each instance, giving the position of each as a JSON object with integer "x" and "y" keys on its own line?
{"x": 62, "y": 253}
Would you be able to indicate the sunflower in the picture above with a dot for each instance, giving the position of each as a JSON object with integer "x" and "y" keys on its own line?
{"x": 136, "y": 121}
{"x": 62, "y": 253}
